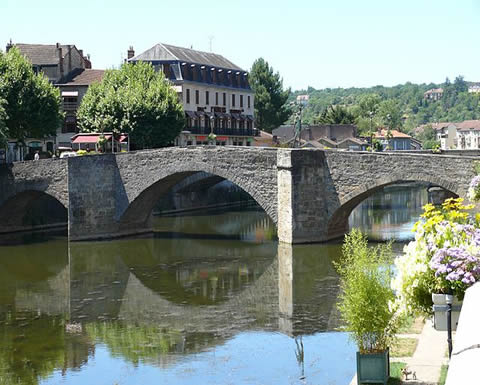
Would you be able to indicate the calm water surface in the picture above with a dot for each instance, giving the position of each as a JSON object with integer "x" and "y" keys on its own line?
{"x": 210, "y": 299}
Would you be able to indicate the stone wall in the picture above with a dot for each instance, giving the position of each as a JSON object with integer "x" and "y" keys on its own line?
{"x": 24, "y": 183}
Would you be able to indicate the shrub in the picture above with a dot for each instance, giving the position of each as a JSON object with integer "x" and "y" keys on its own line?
{"x": 366, "y": 299}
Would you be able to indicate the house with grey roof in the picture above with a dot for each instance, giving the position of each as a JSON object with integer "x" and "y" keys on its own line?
{"x": 56, "y": 61}
{"x": 215, "y": 94}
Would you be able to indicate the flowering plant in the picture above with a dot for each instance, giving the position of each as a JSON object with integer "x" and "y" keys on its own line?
{"x": 443, "y": 258}
{"x": 473, "y": 193}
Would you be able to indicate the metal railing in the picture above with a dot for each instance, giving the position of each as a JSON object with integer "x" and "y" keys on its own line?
{"x": 225, "y": 131}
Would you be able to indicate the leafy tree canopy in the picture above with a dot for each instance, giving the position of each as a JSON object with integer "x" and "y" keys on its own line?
{"x": 336, "y": 115}
{"x": 271, "y": 109}
{"x": 29, "y": 104}
{"x": 135, "y": 100}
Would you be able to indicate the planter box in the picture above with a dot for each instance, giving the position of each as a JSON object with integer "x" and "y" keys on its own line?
{"x": 373, "y": 368}
{"x": 440, "y": 312}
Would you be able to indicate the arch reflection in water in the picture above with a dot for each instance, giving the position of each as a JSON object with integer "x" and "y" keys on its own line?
{"x": 162, "y": 302}
{"x": 391, "y": 212}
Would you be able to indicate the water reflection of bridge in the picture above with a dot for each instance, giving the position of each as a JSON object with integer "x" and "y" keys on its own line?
{"x": 162, "y": 301}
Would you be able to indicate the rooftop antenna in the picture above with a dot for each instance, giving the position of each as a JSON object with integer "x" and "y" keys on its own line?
{"x": 210, "y": 39}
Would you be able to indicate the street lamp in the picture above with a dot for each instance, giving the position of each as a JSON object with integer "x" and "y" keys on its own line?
{"x": 449, "y": 301}
{"x": 371, "y": 113}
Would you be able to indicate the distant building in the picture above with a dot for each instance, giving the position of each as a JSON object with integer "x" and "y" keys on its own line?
{"x": 56, "y": 61}
{"x": 341, "y": 136}
{"x": 474, "y": 88}
{"x": 215, "y": 94}
{"x": 468, "y": 135}
{"x": 303, "y": 99}
{"x": 433, "y": 94}
{"x": 72, "y": 91}
{"x": 446, "y": 134}
{"x": 334, "y": 132}
{"x": 397, "y": 141}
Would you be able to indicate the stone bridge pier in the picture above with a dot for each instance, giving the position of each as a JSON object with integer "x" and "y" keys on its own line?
{"x": 308, "y": 193}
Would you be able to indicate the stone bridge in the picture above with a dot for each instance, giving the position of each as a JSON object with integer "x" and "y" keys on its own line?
{"x": 308, "y": 193}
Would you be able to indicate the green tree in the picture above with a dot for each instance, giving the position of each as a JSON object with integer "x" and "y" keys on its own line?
{"x": 428, "y": 137}
{"x": 135, "y": 100}
{"x": 3, "y": 123}
{"x": 31, "y": 105}
{"x": 271, "y": 109}
{"x": 336, "y": 115}
{"x": 460, "y": 84}
{"x": 390, "y": 115}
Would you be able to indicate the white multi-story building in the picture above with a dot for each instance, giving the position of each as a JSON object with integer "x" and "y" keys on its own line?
{"x": 468, "y": 135}
{"x": 461, "y": 136}
{"x": 215, "y": 93}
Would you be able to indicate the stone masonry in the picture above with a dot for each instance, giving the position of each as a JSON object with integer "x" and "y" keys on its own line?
{"x": 308, "y": 193}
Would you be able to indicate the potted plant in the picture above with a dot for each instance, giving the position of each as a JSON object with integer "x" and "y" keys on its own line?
{"x": 365, "y": 305}
{"x": 211, "y": 138}
{"x": 443, "y": 260}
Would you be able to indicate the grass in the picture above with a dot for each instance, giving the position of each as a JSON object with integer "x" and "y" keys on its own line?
{"x": 396, "y": 373}
{"x": 443, "y": 375}
{"x": 412, "y": 326}
{"x": 404, "y": 347}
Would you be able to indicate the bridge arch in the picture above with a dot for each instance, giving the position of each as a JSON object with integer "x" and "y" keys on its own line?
{"x": 338, "y": 218}
{"x": 30, "y": 209}
{"x": 152, "y": 186}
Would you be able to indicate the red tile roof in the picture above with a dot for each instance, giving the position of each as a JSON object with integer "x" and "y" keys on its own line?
{"x": 468, "y": 125}
{"x": 395, "y": 134}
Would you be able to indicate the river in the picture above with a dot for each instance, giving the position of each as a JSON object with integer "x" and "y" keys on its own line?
{"x": 210, "y": 298}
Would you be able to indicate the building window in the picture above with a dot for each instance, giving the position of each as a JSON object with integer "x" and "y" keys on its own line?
{"x": 248, "y": 101}
{"x": 241, "y": 101}
{"x": 216, "y": 98}
{"x": 69, "y": 124}
{"x": 224, "y": 99}
{"x": 233, "y": 100}
{"x": 207, "y": 97}
{"x": 197, "y": 97}
{"x": 166, "y": 70}
{"x": 188, "y": 95}
{"x": 70, "y": 103}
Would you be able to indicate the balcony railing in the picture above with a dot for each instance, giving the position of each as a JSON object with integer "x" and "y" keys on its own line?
{"x": 69, "y": 106}
{"x": 225, "y": 131}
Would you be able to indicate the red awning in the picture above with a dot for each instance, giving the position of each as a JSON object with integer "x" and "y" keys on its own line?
{"x": 202, "y": 138}
{"x": 222, "y": 138}
{"x": 123, "y": 138}
{"x": 88, "y": 138}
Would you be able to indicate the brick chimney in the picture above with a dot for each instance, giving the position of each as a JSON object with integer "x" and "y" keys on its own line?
{"x": 60, "y": 59}
{"x": 130, "y": 52}
{"x": 9, "y": 45}
{"x": 88, "y": 63}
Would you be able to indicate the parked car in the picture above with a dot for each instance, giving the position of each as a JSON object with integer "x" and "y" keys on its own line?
{"x": 68, "y": 154}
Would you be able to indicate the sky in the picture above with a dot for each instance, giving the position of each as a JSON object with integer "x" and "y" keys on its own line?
{"x": 317, "y": 43}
